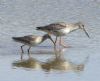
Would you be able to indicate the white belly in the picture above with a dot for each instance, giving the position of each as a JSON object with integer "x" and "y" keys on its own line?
{"x": 61, "y": 32}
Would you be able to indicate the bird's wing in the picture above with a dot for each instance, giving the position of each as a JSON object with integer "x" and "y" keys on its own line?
{"x": 29, "y": 37}
{"x": 55, "y": 26}
{"x": 25, "y": 39}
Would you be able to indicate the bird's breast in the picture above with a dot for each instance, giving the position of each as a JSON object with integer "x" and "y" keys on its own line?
{"x": 65, "y": 30}
{"x": 36, "y": 41}
{"x": 62, "y": 32}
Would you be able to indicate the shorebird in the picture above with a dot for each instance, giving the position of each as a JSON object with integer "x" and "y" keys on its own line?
{"x": 31, "y": 40}
{"x": 61, "y": 29}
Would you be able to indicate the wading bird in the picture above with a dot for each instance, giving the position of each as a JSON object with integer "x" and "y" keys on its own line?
{"x": 31, "y": 40}
{"x": 62, "y": 29}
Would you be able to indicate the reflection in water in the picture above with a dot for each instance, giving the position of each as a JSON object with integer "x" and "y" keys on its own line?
{"x": 57, "y": 63}
{"x": 62, "y": 64}
{"x": 29, "y": 63}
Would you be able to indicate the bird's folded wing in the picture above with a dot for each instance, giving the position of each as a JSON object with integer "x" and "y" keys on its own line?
{"x": 29, "y": 38}
{"x": 56, "y": 26}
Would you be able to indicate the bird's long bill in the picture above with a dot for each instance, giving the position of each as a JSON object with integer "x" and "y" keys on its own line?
{"x": 86, "y": 33}
{"x": 52, "y": 40}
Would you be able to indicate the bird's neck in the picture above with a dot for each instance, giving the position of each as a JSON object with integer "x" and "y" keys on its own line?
{"x": 74, "y": 28}
{"x": 43, "y": 39}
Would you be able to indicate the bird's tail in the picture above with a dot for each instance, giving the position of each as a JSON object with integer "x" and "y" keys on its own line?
{"x": 40, "y": 28}
{"x": 16, "y": 38}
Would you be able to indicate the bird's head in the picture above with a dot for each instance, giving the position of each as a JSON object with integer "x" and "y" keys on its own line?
{"x": 81, "y": 26}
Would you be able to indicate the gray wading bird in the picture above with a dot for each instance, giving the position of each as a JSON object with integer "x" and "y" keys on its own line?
{"x": 31, "y": 40}
{"x": 61, "y": 29}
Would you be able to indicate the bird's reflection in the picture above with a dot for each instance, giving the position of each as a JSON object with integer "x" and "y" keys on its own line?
{"x": 56, "y": 63}
{"x": 62, "y": 64}
{"x": 29, "y": 63}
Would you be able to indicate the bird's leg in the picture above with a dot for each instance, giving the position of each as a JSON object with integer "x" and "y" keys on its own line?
{"x": 22, "y": 48}
{"x": 52, "y": 39}
{"x": 21, "y": 56}
{"x": 56, "y": 40}
{"x": 61, "y": 42}
{"x": 29, "y": 50}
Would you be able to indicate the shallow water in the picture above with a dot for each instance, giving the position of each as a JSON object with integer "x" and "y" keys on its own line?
{"x": 80, "y": 62}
